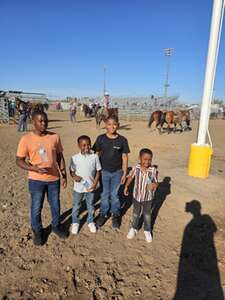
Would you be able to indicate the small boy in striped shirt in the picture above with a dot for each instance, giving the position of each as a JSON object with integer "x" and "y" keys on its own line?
{"x": 145, "y": 184}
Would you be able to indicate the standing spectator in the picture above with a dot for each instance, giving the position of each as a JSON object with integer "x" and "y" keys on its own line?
{"x": 22, "y": 124}
{"x": 73, "y": 110}
{"x": 12, "y": 108}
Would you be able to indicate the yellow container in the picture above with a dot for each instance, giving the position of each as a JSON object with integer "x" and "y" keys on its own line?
{"x": 199, "y": 160}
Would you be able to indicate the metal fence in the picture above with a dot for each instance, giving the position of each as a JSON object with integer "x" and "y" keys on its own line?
{"x": 4, "y": 110}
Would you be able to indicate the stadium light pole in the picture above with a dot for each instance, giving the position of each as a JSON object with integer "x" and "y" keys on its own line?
{"x": 200, "y": 156}
{"x": 168, "y": 53}
{"x": 104, "y": 79}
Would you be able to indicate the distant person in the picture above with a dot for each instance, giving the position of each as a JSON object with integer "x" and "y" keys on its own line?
{"x": 22, "y": 124}
{"x": 113, "y": 150}
{"x": 105, "y": 100}
{"x": 73, "y": 110}
{"x": 12, "y": 108}
{"x": 85, "y": 170}
{"x": 145, "y": 184}
{"x": 40, "y": 152}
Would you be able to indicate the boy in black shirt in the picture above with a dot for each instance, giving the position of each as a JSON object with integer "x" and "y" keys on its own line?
{"x": 113, "y": 150}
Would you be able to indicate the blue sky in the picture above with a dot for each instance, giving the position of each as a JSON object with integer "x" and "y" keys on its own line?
{"x": 60, "y": 47}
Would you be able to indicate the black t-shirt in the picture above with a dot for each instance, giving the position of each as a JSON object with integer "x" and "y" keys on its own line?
{"x": 111, "y": 151}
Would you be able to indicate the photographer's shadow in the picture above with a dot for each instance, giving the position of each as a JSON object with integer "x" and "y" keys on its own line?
{"x": 198, "y": 274}
{"x": 163, "y": 190}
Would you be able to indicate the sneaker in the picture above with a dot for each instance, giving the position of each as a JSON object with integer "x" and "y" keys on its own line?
{"x": 131, "y": 234}
{"x": 101, "y": 220}
{"x": 59, "y": 232}
{"x": 38, "y": 238}
{"x": 148, "y": 236}
{"x": 115, "y": 221}
{"x": 92, "y": 227}
{"x": 75, "y": 228}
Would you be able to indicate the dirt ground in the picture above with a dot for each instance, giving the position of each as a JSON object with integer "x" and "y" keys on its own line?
{"x": 186, "y": 259}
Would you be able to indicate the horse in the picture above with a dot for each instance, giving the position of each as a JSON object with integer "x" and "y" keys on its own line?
{"x": 86, "y": 110}
{"x": 159, "y": 118}
{"x": 172, "y": 119}
{"x": 103, "y": 113}
{"x": 180, "y": 118}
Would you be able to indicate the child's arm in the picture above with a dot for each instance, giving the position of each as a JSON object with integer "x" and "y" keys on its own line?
{"x": 72, "y": 169}
{"x": 129, "y": 180}
{"x": 97, "y": 175}
{"x": 153, "y": 186}
{"x": 75, "y": 177}
{"x": 124, "y": 167}
{"x": 95, "y": 182}
{"x": 23, "y": 164}
{"x": 62, "y": 169}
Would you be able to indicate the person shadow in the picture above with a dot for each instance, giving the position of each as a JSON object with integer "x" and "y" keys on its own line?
{"x": 66, "y": 217}
{"x": 162, "y": 191}
{"x": 126, "y": 201}
{"x": 198, "y": 274}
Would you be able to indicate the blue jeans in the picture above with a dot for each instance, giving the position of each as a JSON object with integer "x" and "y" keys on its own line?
{"x": 22, "y": 124}
{"x": 89, "y": 199}
{"x": 38, "y": 189}
{"x": 109, "y": 197}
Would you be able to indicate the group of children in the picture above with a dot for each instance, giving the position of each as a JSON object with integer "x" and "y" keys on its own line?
{"x": 41, "y": 153}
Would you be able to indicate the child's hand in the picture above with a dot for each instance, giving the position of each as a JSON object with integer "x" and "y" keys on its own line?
{"x": 77, "y": 178}
{"x": 123, "y": 179}
{"x": 92, "y": 188}
{"x": 64, "y": 182}
{"x": 153, "y": 186}
{"x": 35, "y": 168}
{"x": 126, "y": 191}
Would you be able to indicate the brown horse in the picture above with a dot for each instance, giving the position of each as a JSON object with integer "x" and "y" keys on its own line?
{"x": 103, "y": 113}
{"x": 86, "y": 110}
{"x": 159, "y": 118}
{"x": 177, "y": 119}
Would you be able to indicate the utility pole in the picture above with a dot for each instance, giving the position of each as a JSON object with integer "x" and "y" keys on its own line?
{"x": 104, "y": 80}
{"x": 168, "y": 53}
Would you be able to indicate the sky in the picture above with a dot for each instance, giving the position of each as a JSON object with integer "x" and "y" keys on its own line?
{"x": 60, "y": 47}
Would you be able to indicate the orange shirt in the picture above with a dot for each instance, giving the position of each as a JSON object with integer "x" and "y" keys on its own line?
{"x": 41, "y": 151}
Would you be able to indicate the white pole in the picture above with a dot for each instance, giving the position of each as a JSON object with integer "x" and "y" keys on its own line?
{"x": 215, "y": 31}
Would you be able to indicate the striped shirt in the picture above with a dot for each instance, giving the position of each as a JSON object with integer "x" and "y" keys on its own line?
{"x": 142, "y": 179}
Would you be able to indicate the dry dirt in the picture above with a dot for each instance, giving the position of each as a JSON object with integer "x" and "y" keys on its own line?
{"x": 186, "y": 259}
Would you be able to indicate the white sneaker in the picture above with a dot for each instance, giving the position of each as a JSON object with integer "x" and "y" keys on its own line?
{"x": 148, "y": 236}
{"x": 75, "y": 228}
{"x": 92, "y": 227}
{"x": 131, "y": 234}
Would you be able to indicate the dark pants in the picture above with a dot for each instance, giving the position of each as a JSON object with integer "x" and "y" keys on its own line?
{"x": 22, "y": 124}
{"x": 140, "y": 208}
{"x": 38, "y": 189}
{"x": 109, "y": 198}
{"x": 72, "y": 116}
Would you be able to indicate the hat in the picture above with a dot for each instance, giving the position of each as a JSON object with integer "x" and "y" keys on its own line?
{"x": 106, "y": 94}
